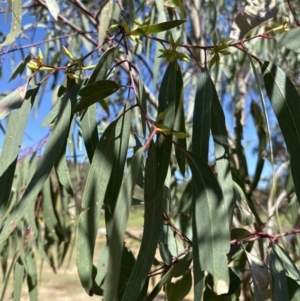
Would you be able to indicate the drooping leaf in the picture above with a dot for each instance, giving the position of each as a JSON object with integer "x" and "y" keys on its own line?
{"x": 202, "y": 116}
{"x": 260, "y": 276}
{"x": 285, "y": 102}
{"x": 118, "y": 225}
{"x": 93, "y": 197}
{"x": 13, "y": 100}
{"x": 289, "y": 39}
{"x": 19, "y": 273}
{"x": 103, "y": 65}
{"x": 53, "y": 8}
{"x": 251, "y": 16}
{"x": 50, "y": 156}
{"x": 210, "y": 239}
{"x": 31, "y": 276}
{"x": 288, "y": 264}
{"x": 169, "y": 101}
{"x": 155, "y": 28}
{"x": 95, "y": 92}
{"x": 15, "y": 29}
{"x": 90, "y": 131}
{"x": 92, "y": 203}
{"x": 11, "y": 147}
{"x": 104, "y": 18}
{"x": 21, "y": 67}
{"x": 152, "y": 226}
{"x": 178, "y": 266}
{"x": 277, "y": 270}
{"x": 219, "y": 133}
{"x": 63, "y": 175}
{"x": 122, "y": 134}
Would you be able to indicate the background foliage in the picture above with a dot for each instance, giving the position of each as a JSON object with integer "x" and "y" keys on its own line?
{"x": 194, "y": 103}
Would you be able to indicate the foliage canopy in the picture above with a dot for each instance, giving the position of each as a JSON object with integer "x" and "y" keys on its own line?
{"x": 166, "y": 97}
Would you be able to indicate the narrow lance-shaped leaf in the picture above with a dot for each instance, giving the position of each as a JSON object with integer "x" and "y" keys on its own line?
{"x": 90, "y": 131}
{"x": 15, "y": 29}
{"x": 201, "y": 119}
{"x": 103, "y": 65}
{"x": 169, "y": 101}
{"x": 152, "y": 226}
{"x": 13, "y": 100}
{"x": 105, "y": 17}
{"x": 11, "y": 147}
{"x": 62, "y": 171}
{"x": 285, "y": 102}
{"x": 21, "y": 67}
{"x": 155, "y": 28}
{"x": 219, "y": 133}
{"x": 210, "y": 239}
{"x": 280, "y": 291}
{"x": 94, "y": 193}
{"x": 19, "y": 273}
{"x": 288, "y": 264}
{"x": 51, "y": 154}
{"x": 53, "y": 8}
{"x": 118, "y": 226}
{"x": 263, "y": 128}
{"x": 122, "y": 135}
{"x": 289, "y": 39}
{"x": 95, "y": 92}
{"x": 260, "y": 276}
{"x": 181, "y": 264}
{"x": 88, "y": 120}
{"x": 31, "y": 270}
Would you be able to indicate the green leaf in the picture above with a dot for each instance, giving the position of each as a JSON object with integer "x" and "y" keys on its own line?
{"x": 7, "y": 276}
{"x": 123, "y": 130}
{"x": 103, "y": 65}
{"x": 210, "y": 239}
{"x": 277, "y": 270}
{"x": 31, "y": 276}
{"x": 94, "y": 92}
{"x": 221, "y": 147}
{"x": 260, "y": 276}
{"x": 155, "y": 28}
{"x": 105, "y": 17}
{"x": 285, "y": 102}
{"x": 50, "y": 156}
{"x": 49, "y": 119}
{"x": 288, "y": 264}
{"x": 181, "y": 264}
{"x": 13, "y": 100}
{"x": 53, "y": 8}
{"x": 289, "y": 39}
{"x": 143, "y": 101}
{"x": 63, "y": 175}
{"x": 251, "y": 16}
{"x": 19, "y": 273}
{"x": 15, "y": 29}
{"x": 178, "y": 290}
{"x": 92, "y": 201}
{"x": 202, "y": 116}
{"x": 90, "y": 130}
{"x": 152, "y": 226}
{"x": 262, "y": 126}
{"x": 21, "y": 67}
{"x": 118, "y": 225}
{"x": 11, "y": 147}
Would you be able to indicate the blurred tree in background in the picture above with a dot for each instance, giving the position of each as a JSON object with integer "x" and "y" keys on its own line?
{"x": 194, "y": 103}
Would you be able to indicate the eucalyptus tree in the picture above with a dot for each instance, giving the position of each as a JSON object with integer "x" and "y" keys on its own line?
{"x": 163, "y": 96}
